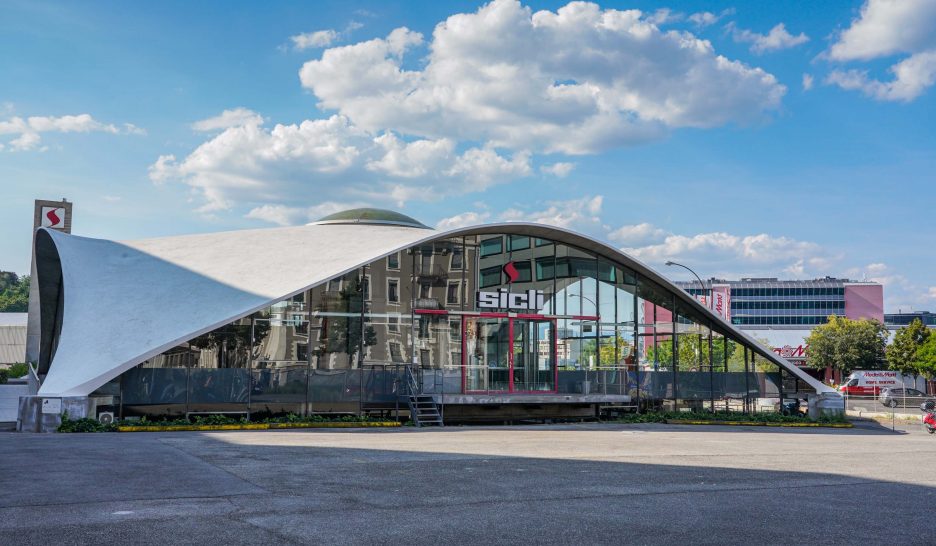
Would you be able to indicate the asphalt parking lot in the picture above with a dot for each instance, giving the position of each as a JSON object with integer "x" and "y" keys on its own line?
{"x": 558, "y": 484}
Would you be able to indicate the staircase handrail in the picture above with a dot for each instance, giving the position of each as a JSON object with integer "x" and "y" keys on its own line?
{"x": 411, "y": 381}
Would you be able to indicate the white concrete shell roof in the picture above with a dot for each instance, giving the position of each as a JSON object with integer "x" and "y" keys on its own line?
{"x": 121, "y": 303}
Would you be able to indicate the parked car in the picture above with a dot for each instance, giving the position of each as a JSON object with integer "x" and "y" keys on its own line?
{"x": 901, "y": 397}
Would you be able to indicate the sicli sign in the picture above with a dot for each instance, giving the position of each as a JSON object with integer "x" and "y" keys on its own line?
{"x": 531, "y": 300}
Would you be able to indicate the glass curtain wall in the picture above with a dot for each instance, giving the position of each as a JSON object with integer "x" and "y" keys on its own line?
{"x": 598, "y": 328}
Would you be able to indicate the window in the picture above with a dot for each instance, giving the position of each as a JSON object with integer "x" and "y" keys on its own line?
{"x": 396, "y": 352}
{"x": 524, "y": 271}
{"x": 490, "y": 247}
{"x": 393, "y": 290}
{"x": 393, "y": 323}
{"x": 393, "y": 261}
{"x": 455, "y": 331}
{"x": 545, "y": 268}
{"x": 542, "y": 242}
{"x": 490, "y": 277}
{"x": 425, "y": 263}
{"x": 518, "y": 242}
{"x": 457, "y": 259}
{"x": 334, "y": 285}
{"x": 451, "y": 295}
{"x": 425, "y": 290}
{"x": 606, "y": 272}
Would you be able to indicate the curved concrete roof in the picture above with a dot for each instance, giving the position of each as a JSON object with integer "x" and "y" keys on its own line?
{"x": 125, "y": 302}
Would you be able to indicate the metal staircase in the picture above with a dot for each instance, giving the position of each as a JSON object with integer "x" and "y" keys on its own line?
{"x": 422, "y": 407}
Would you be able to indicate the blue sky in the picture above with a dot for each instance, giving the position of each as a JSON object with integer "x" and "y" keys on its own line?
{"x": 695, "y": 131}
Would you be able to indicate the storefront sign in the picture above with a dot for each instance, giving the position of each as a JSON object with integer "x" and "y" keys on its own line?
{"x": 53, "y": 217}
{"x": 531, "y": 300}
{"x": 789, "y": 352}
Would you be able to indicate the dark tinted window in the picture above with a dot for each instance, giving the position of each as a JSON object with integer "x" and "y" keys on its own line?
{"x": 489, "y": 247}
{"x": 490, "y": 277}
{"x": 518, "y": 242}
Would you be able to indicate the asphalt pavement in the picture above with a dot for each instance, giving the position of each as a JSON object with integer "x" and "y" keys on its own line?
{"x": 555, "y": 484}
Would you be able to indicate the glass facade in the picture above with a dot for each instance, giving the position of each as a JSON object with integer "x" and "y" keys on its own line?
{"x": 493, "y": 314}
{"x": 772, "y": 302}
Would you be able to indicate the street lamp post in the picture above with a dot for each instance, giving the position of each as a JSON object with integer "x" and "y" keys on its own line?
{"x": 708, "y": 299}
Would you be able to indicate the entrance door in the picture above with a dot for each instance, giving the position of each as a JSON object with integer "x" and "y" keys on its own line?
{"x": 534, "y": 347}
{"x": 486, "y": 354}
{"x": 504, "y": 354}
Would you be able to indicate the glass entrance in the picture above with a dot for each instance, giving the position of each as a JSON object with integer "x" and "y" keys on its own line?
{"x": 486, "y": 360}
{"x": 504, "y": 354}
{"x": 533, "y": 348}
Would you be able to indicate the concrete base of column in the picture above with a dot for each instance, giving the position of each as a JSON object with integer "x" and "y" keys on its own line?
{"x": 826, "y": 404}
{"x": 32, "y": 419}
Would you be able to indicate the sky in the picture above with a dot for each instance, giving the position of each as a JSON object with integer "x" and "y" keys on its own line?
{"x": 764, "y": 138}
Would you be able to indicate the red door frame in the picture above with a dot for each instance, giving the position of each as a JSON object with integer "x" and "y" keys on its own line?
{"x": 510, "y": 355}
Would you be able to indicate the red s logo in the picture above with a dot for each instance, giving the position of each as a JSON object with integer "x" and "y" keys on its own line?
{"x": 53, "y": 218}
{"x": 511, "y": 271}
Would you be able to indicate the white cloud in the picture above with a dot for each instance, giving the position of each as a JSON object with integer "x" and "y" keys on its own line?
{"x": 807, "y": 82}
{"x": 637, "y": 235}
{"x": 885, "y": 28}
{"x": 559, "y": 170}
{"x": 284, "y": 215}
{"x": 778, "y": 38}
{"x": 726, "y": 254}
{"x": 931, "y": 294}
{"x": 578, "y": 80}
{"x": 912, "y": 76}
{"x": 462, "y": 220}
{"x": 704, "y": 19}
{"x": 30, "y": 129}
{"x": 319, "y": 38}
{"x": 330, "y": 159}
{"x": 227, "y": 119}
{"x": 664, "y": 16}
{"x": 583, "y": 213}
{"x": 498, "y": 88}
{"x": 322, "y": 38}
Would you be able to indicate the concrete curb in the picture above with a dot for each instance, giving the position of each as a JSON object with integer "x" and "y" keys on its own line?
{"x": 883, "y": 415}
{"x": 758, "y": 424}
{"x": 257, "y": 426}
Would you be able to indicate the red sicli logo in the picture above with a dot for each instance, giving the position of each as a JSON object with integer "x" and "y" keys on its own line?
{"x": 53, "y": 217}
{"x": 511, "y": 271}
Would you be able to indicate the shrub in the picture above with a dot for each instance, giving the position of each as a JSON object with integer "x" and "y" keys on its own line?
{"x": 4, "y": 375}
{"x": 18, "y": 370}
{"x": 661, "y": 417}
{"x": 84, "y": 425}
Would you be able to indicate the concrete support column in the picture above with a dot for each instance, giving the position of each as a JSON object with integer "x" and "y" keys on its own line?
{"x": 34, "y": 414}
{"x": 826, "y": 404}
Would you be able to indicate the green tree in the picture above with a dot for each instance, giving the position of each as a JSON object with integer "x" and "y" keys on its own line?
{"x": 901, "y": 354}
{"x": 924, "y": 360}
{"x": 14, "y": 293}
{"x": 845, "y": 344}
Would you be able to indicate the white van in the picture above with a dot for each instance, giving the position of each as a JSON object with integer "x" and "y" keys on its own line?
{"x": 871, "y": 382}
